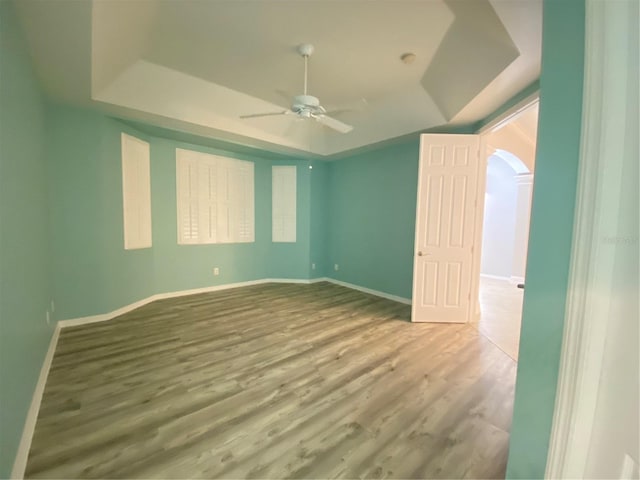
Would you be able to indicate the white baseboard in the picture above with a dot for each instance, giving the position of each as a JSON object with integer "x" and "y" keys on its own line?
{"x": 195, "y": 291}
{"x": 72, "y": 322}
{"x": 495, "y": 277}
{"x": 293, "y": 280}
{"x": 20, "y": 462}
{"x": 377, "y": 293}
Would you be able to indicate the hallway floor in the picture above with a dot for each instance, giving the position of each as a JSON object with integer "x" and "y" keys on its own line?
{"x": 501, "y": 314}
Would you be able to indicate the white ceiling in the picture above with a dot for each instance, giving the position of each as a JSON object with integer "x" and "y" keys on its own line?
{"x": 198, "y": 65}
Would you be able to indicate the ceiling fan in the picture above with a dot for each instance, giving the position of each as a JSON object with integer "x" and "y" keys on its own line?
{"x": 308, "y": 106}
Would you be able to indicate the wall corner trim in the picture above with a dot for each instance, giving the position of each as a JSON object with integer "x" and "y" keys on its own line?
{"x": 20, "y": 462}
{"x": 377, "y": 293}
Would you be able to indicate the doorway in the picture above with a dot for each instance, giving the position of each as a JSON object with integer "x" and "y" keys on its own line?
{"x": 505, "y": 228}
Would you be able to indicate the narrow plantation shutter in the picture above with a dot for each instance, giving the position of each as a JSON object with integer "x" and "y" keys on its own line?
{"x": 144, "y": 205}
{"x": 284, "y": 203}
{"x": 136, "y": 192}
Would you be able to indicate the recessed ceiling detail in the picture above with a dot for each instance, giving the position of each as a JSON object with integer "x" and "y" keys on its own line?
{"x": 200, "y": 66}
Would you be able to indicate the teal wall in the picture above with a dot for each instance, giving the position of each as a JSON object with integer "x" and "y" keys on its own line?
{"x": 24, "y": 236}
{"x": 291, "y": 260}
{"x": 181, "y": 267}
{"x": 550, "y": 237}
{"x": 319, "y": 248}
{"x": 93, "y": 273}
{"x": 372, "y": 212}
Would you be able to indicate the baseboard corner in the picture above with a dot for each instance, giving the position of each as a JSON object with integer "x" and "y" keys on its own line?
{"x": 20, "y": 461}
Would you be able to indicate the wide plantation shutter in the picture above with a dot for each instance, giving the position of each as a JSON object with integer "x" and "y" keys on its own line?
{"x": 136, "y": 192}
{"x": 215, "y": 199}
{"x": 187, "y": 183}
{"x": 283, "y": 207}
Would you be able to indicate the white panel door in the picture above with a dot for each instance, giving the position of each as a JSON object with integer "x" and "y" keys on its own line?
{"x": 447, "y": 192}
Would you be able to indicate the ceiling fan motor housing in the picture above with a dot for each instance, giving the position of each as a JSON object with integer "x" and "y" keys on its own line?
{"x": 306, "y": 103}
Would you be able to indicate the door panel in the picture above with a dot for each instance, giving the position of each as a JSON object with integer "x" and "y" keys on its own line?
{"x": 445, "y": 214}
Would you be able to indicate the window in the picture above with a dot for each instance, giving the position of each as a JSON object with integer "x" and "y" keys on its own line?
{"x": 136, "y": 193}
{"x": 215, "y": 199}
{"x": 283, "y": 204}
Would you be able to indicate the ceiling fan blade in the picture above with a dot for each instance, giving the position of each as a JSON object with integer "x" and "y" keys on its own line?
{"x": 357, "y": 106}
{"x": 271, "y": 114}
{"x": 337, "y": 125}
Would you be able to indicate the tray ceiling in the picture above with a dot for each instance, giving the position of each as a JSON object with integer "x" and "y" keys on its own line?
{"x": 197, "y": 66}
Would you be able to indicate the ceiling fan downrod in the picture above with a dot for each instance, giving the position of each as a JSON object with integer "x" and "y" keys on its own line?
{"x": 306, "y": 49}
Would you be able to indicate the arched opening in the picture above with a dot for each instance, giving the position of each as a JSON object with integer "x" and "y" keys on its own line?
{"x": 506, "y": 215}
{"x": 505, "y": 232}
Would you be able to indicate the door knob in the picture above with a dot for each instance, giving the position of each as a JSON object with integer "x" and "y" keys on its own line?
{"x": 420, "y": 254}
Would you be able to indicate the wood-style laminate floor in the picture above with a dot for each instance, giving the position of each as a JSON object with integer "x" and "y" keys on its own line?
{"x": 274, "y": 381}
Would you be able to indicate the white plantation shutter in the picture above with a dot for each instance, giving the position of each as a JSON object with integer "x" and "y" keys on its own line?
{"x": 136, "y": 192}
{"x": 215, "y": 199}
{"x": 187, "y": 177}
{"x": 283, "y": 209}
{"x": 207, "y": 199}
{"x": 240, "y": 187}
{"x": 245, "y": 213}
{"x": 224, "y": 202}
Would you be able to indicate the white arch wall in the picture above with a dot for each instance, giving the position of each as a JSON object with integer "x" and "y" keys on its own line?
{"x": 513, "y": 140}
{"x": 506, "y": 218}
{"x": 498, "y": 229}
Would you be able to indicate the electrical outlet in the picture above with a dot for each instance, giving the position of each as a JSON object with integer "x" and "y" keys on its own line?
{"x": 313, "y": 266}
{"x": 336, "y": 267}
{"x": 216, "y": 271}
{"x": 48, "y": 318}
